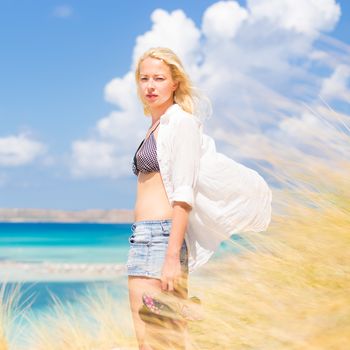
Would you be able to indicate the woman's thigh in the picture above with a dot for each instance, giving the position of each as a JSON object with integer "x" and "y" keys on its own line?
{"x": 154, "y": 334}
{"x": 137, "y": 286}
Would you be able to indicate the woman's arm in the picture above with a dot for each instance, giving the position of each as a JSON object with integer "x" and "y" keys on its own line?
{"x": 184, "y": 172}
{"x": 179, "y": 225}
{"x": 172, "y": 266}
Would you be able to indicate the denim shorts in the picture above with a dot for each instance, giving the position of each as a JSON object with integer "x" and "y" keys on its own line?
{"x": 148, "y": 245}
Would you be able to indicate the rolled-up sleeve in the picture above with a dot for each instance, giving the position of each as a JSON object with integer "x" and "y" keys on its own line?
{"x": 185, "y": 159}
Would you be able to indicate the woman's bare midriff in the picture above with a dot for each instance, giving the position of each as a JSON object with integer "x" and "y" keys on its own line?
{"x": 151, "y": 199}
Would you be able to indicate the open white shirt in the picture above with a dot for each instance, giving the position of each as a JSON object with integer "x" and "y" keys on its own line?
{"x": 226, "y": 197}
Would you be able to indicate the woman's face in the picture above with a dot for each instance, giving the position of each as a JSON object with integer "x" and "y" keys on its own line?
{"x": 155, "y": 83}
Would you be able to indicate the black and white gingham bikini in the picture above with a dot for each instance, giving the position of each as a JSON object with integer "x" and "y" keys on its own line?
{"x": 145, "y": 158}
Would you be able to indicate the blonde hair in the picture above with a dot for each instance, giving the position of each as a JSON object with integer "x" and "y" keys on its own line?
{"x": 185, "y": 91}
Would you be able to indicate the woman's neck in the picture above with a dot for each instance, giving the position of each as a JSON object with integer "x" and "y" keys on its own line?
{"x": 157, "y": 112}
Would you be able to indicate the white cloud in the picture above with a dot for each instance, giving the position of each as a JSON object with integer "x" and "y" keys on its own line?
{"x": 173, "y": 30}
{"x": 123, "y": 127}
{"x": 109, "y": 151}
{"x": 19, "y": 150}
{"x": 96, "y": 158}
{"x": 256, "y": 64}
{"x": 223, "y": 19}
{"x": 308, "y": 17}
{"x": 337, "y": 86}
{"x": 313, "y": 130}
{"x": 63, "y": 11}
{"x": 122, "y": 91}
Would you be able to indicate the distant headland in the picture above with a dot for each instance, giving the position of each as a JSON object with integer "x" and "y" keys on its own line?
{"x": 55, "y": 215}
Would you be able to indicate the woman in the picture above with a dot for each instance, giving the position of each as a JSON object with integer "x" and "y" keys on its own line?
{"x": 158, "y": 255}
{"x": 189, "y": 197}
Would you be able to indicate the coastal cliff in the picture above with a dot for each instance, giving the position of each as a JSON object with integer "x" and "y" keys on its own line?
{"x": 54, "y": 215}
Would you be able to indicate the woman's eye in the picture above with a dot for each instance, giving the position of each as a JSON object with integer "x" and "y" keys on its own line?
{"x": 143, "y": 79}
{"x": 159, "y": 79}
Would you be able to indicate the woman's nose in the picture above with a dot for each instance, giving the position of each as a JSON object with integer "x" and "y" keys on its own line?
{"x": 150, "y": 83}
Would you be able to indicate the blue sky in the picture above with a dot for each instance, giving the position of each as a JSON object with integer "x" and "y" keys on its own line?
{"x": 64, "y": 84}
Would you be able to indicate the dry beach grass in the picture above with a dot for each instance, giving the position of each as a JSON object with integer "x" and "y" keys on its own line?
{"x": 291, "y": 292}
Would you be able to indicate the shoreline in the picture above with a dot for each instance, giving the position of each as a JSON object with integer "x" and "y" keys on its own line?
{"x": 14, "y": 271}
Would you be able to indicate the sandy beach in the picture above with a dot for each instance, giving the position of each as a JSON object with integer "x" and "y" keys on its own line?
{"x": 11, "y": 271}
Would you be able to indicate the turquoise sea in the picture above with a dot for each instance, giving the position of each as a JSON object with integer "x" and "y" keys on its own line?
{"x": 63, "y": 258}
{"x": 66, "y": 259}
{"x": 64, "y": 242}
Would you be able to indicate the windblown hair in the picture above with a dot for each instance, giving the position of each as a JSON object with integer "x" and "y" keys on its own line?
{"x": 185, "y": 93}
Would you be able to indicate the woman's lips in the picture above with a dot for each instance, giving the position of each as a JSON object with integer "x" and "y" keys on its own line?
{"x": 151, "y": 96}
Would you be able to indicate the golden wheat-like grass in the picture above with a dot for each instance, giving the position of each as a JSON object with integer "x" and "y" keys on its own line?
{"x": 12, "y": 308}
{"x": 291, "y": 292}
{"x": 93, "y": 322}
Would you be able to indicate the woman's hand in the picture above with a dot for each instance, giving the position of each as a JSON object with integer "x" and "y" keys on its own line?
{"x": 171, "y": 272}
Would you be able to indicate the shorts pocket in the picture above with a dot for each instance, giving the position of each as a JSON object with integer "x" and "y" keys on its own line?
{"x": 160, "y": 235}
{"x": 165, "y": 232}
{"x": 140, "y": 236}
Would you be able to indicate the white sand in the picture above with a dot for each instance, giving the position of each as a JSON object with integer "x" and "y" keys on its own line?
{"x": 11, "y": 271}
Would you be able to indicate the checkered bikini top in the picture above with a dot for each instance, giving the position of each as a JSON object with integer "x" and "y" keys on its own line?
{"x": 145, "y": 158}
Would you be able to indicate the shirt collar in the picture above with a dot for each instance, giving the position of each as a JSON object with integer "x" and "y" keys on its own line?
{"x": 171, "y": 109}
